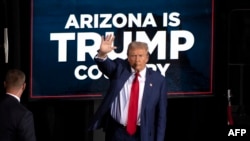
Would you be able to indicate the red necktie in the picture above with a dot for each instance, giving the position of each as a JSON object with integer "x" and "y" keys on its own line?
{"x": 133, "y": 106}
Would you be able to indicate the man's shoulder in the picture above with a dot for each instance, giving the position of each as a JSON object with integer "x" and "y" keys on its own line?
{"x": 156, "y": 73}
{"x": 12, "y": 104}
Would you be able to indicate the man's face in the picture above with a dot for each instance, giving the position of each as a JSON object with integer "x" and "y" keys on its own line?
{"x": 138, "y": 58}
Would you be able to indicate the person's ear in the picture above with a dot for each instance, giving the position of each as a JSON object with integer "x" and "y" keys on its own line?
{"x": 24, "y": 86}
{"x": 148, "y": 55}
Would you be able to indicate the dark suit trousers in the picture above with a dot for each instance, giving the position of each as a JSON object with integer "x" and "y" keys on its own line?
{"x": 117, "y": 132}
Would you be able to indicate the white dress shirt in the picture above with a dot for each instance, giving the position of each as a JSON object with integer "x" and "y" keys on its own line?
{"x": 119, "y": 108}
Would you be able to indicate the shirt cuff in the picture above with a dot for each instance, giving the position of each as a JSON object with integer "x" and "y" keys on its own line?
{"x": 99, "y": 58}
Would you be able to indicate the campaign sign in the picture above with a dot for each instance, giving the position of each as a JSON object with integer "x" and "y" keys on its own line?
{"x": 66, "y": 34}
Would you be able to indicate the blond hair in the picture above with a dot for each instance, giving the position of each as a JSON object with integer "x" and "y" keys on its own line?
{"x": 137, "y": 44}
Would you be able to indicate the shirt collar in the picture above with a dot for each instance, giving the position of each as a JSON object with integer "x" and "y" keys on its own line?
{"x": 142, "y": 72}
{"x": 14, "y": 96}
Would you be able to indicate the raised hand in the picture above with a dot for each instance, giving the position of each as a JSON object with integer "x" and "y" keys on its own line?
{"x": 106, "y": 45}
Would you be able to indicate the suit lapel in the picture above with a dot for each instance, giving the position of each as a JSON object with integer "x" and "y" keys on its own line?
{"x": 124, "y": 75}
{"x": 147, "y": 90}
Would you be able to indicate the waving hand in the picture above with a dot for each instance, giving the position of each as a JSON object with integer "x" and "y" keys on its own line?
{"x": 106, "y": 45}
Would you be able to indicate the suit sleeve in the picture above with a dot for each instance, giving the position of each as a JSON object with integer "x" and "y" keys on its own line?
{"x": 26, "y": 128}
{"x": 106, "y": 66}
{"x": 162, "y": 117}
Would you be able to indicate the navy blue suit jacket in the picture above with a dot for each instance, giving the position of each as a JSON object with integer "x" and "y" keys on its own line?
{"x": 16, "y": 121}
{"x": 154, "y": 101}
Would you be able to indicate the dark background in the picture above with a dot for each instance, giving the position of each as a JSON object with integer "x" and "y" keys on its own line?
{"x": 190, "y": 118}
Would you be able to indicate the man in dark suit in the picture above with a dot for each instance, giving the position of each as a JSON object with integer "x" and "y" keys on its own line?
{"x": 16, "y": 121}
{"x": 112, "y": 115}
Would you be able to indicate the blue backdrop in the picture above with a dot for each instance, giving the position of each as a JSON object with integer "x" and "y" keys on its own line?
{"x": 66, "y": 34}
